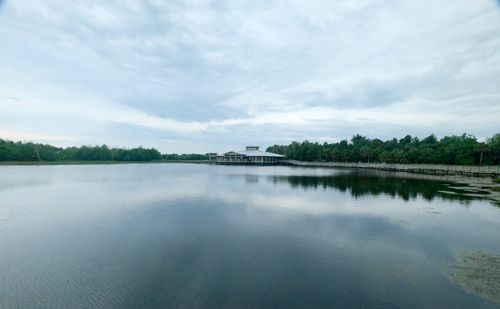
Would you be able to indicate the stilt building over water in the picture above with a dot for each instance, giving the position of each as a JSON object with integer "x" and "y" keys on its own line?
{"x": 251, "y": 156}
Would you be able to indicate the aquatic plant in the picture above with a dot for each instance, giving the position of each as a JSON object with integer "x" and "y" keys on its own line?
{"x": 478, "y": 273}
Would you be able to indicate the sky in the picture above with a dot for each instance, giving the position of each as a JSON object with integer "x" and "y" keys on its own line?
{"x": 203, "y": 76}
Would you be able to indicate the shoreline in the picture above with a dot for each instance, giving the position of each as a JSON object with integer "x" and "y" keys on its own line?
{"x": 429, "y": 169}
{"x": 96, "y": 162}
{"x": 421, "y": 169}
{"x": 474, "y": 183}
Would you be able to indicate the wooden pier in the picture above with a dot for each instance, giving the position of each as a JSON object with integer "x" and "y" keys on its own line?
{"x": 439, "y": 169}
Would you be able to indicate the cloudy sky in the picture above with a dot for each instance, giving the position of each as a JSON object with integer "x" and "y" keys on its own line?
{"x": 199, "y": 76}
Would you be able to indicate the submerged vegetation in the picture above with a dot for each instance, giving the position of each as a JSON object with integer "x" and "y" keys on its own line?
{"x": 464, "y": 149}
{"x": 478, "y": 273}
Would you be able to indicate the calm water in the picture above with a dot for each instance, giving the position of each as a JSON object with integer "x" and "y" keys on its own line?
{"x": 199, "y": 236}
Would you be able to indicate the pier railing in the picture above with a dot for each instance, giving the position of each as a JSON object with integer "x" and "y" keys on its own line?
{"x": 484, "y": 170}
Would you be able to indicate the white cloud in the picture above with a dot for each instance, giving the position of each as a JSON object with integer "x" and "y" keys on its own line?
{"x": 222, "y": 73}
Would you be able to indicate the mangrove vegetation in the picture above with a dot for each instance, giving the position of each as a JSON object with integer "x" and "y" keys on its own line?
{"x": 19, "y": 151}
{"x": 464, "y": 149}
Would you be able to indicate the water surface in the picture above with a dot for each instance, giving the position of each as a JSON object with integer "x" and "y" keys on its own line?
{"x": 200, "y": 236}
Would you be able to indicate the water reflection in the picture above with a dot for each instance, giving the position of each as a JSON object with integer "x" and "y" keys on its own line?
{"x": 252, "y": 179}
{"x": 163, "y": 236}
{"x": 372, "y": 184}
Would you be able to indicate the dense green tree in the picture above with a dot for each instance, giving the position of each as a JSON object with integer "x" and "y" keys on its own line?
{"x": 18, "y": 151}
{"x": 184, "y": 157}
{"x": 494, "y": 148}
{"x": 461, "y": 149}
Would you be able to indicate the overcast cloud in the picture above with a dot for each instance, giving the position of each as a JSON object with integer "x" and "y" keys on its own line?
{"x": 199, "y": 76}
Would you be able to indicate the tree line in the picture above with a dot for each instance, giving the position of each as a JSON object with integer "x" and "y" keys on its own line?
{"x": 463, "y": 149}
{"x": 184, "y": 157}
{"x": 20, "y": 151}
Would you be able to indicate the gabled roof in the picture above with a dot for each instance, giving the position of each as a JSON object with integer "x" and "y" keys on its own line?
{"x": 232, "y": 153}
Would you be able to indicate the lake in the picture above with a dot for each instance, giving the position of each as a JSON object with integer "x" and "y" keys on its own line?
{"x": 205, "y": 236}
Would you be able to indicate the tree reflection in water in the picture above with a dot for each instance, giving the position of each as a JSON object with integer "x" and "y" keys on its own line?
{"x": 361, "y": 184}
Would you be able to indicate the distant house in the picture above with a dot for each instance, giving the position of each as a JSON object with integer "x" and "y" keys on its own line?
{"x": 251, "y": 155}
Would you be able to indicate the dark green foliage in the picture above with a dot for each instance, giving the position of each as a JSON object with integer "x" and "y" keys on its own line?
{"x": 463, "y": 149}
{"x": 18, "y": 151}
{"x": 494, "y": 148}
{"x": 183, "y": 157}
